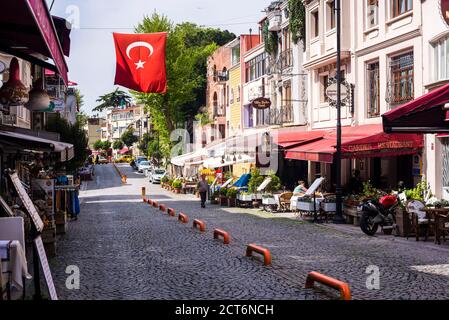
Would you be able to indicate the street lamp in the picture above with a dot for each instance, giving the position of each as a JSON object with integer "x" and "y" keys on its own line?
{"x": 339, "y": 194}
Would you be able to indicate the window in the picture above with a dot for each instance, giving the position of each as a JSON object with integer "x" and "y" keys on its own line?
{"x": 402, "y": 78}
{"x": 231, "y": 96}
{"x": 372, "y": 13}
{"x": 441, "y": 59}
{"x": 256, "y": 68}
{"x": 323, "y": 86}
{"x": 373, "y": 89}
{"x": 315, "y": 24}
{"x": 399, "y": 7}
{"x": 238, "y": 94}
{"x": 331, "y": 15}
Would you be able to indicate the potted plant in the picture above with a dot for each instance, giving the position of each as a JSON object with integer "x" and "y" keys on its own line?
{"x": 177, "y": 185}
{"x": 246, "y": 196}
{"x": 164, "y": 181}
{"x": 223, "y": 196}
{"x": 232, "y": 197}
{"x": 254, "y": 182}
{"x": 306, "y": 204}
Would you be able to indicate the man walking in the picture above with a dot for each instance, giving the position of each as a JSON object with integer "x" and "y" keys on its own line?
{"x": 203, "y": 188}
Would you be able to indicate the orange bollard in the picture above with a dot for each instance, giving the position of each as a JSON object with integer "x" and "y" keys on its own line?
{"x": 200, "y": 224}
{"x": 144, "y": 193}
{"x": 171, "y": 212}
{"x": 162, "y": 207}
{"x": 183, "y": 218}
{"x": 155, "y": 204}
{"x": 343, "y": 287}
{"x": 265, "y": 252}
{"x": 224, "y": 234}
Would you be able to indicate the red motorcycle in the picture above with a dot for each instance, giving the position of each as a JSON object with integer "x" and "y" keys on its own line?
{"x": 379, "y": 213}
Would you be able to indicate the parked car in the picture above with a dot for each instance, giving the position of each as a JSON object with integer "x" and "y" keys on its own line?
{"x": 143, "y": 165}
{"x": 124, "y": 159}
{"x": 156, "y": 175}
{"x": 135, "y": 163}
{"x": 102, "y": 160}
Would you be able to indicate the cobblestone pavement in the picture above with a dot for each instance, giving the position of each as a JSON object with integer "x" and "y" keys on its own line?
{"x": 127, "y": 250}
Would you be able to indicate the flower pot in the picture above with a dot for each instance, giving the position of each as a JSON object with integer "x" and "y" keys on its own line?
{"x": 246, "y": 197}
{"x": 177, "y": 190}
{"x": 268, "y": 201}
{"x": 306, "y": 206}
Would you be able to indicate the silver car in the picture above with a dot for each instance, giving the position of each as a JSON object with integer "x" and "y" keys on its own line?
{"x": 143, "y": 165}
{"x": 156, "y": 175}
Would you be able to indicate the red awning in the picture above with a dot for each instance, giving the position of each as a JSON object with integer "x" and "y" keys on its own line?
{"x": 27, "y": 28}
{"x": 425, "y": 114}
{"x": 291, "y": 137}
{"x": 124, "y": 150}
{"x": 358, "y": 142}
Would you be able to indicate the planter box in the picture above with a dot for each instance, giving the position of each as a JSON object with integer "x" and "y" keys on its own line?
{"x": 268, "y": 201}
{"x": 232, "y": 202}
{"x": 329, "y": 206}
{"x": 223, "y": 201}
{"x": 306, "y": 206}
{"x": 246, "y": 197}
{"x": 257, "y": 197}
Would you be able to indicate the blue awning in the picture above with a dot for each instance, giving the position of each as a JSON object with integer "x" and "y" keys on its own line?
{"x": 243, "y": 181}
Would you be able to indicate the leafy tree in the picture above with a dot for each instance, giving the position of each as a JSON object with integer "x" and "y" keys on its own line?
{"x": 118, "y": 145}
{"x": 144, "y": 142}
{"x": 79, "y": 98}
{"x": 297, "y": 20}
{"x": 129, "y": 138}
{"x": 106, "y": 145}
{"x": 73, "y": 134}
{"x": 188, "y": 47}
{"x": 113, "y": 99}
{"x": 98, "y": 145}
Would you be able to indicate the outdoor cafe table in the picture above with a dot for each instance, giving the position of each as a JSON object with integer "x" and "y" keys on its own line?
{"x": 435, "y": 213}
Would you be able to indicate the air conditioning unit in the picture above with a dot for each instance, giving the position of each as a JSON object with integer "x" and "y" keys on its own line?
{"x": 275, "y": 22}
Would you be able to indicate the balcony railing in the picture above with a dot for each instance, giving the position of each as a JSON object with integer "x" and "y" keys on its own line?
{"x": 221, "y": 76}
{"x": 219, "y": 111}
{"x": 280, "y": 116}
{"x": 286, "y": 59}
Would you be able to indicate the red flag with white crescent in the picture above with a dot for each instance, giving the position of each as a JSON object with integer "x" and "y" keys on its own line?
{"x": 141, "y": 61}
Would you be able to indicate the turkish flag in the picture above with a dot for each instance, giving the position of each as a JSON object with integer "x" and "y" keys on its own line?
{"x": 141, "y": 61}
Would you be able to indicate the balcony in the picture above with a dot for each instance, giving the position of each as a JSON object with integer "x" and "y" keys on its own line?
{"x": 221, "y": 76}
{"x": 286, "y": 59}
{"x": 219, "y": 111}
{"x": 281, "y": 116}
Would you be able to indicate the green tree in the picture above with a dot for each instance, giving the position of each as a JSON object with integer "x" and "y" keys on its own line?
{"x": 144, "y": 142}
{"x": 129, "y": 138}
{"x": 118, "y": 145}
{"x": 188, "y": 47}
{"x": 113, "y": 99}
{"x": 98, "y": 145}
{"x": 79, "y": 98}
{"x": 73, "y": 134}
{"x": 106, "y": 145}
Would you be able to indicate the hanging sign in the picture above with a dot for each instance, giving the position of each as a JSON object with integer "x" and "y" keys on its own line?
{"x": 38, "y": 223}
{"x": 331, "y": 91}
{"x": 261, "y": 103}
{"x": 445, "y": 10}
{"x": 45, "y": 267}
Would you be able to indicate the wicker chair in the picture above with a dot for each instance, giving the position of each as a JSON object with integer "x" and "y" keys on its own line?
{"x": 284, "y": 201}
{"x": 418, "y": 218}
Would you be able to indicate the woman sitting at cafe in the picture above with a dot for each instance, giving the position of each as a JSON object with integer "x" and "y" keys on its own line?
{"x": 301, "y": 188}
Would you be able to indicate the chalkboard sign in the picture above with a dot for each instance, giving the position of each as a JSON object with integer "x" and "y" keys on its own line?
{"x": 38, "y": 223}
{"x": 45, "y": 267}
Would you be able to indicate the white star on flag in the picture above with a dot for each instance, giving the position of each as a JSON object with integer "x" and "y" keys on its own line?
{"x": 139, "y": 65}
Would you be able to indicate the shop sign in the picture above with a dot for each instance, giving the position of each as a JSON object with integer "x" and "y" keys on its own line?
{"x": 45, "y": 267}
{"x": 261, "y": 103}
{"x": 331, "y": 92}
{"x": 25, "y": 198}
{"x": 444, "y": 4}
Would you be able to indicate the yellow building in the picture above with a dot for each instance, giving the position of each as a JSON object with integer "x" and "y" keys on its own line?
{"x": 235, "y": 116}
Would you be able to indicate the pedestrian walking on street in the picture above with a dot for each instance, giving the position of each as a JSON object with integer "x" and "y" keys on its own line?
{"x": 203, "y": 188}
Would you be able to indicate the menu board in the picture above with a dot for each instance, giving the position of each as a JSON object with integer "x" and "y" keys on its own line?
{"x": 45, "y": 267}
{"x": 38, "y": 223}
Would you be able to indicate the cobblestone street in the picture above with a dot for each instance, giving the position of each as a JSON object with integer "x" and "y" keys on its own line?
{"x": 126, "y": 249}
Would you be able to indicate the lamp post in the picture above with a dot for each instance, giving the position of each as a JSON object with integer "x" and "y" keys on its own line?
{"x": 339, "y": 196}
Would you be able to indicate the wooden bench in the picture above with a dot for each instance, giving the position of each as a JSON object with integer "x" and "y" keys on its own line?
{"x": 265, "y": 252}
{"x": 224, "y": 234}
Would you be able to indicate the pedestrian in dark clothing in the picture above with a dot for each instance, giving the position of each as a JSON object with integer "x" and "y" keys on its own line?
{"x": 203, "y": 188}
{"x": 355, "y": 183}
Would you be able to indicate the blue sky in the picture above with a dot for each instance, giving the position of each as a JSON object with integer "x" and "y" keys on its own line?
{"x": 92, "y": 58}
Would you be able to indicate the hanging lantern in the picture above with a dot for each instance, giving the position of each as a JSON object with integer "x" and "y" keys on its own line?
{"x": 14, "y": 92}
{"x": 39, "y": 98}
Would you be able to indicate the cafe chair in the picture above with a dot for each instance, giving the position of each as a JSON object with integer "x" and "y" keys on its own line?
{"x": 442, "y": 227}
{"x": 284, "y": 201}
{"x": 418, "y": 218}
